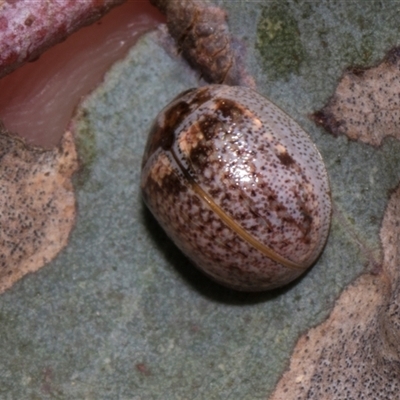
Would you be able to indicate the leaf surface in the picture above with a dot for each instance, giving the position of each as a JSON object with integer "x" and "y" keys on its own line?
{"x": 121, "y": 313}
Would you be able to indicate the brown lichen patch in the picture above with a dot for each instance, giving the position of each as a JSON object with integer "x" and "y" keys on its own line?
{"x": 366, "y": 103}
{"x": 202, "y": 36}
{"x": 37, "y": 204}
{"x": 355, "y": 353}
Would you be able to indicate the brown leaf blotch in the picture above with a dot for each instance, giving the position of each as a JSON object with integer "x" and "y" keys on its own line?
{"x": 366, "y": 103}
{"x": 37, "y": 204}
{"x": 355, "y": 353}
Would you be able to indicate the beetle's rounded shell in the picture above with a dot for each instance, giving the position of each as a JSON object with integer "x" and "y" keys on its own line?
{"x": 238, "y": 186}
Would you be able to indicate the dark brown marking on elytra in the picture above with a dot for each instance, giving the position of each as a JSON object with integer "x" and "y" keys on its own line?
{"x": 285, "y": 159}
{"x": 306, "y": 224}
{"x": 215, "y": 192}
{"x": 202, "y": 96}
{"x": 209, "y": 126}
{"x": 171, "y": 184}
{"x": 173, "y": 118}
{"x": 199, "y": 156}
{"x": 184, "y": 93}
{"x": 229, "y": 109}
{"x": 163, "y": 136}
